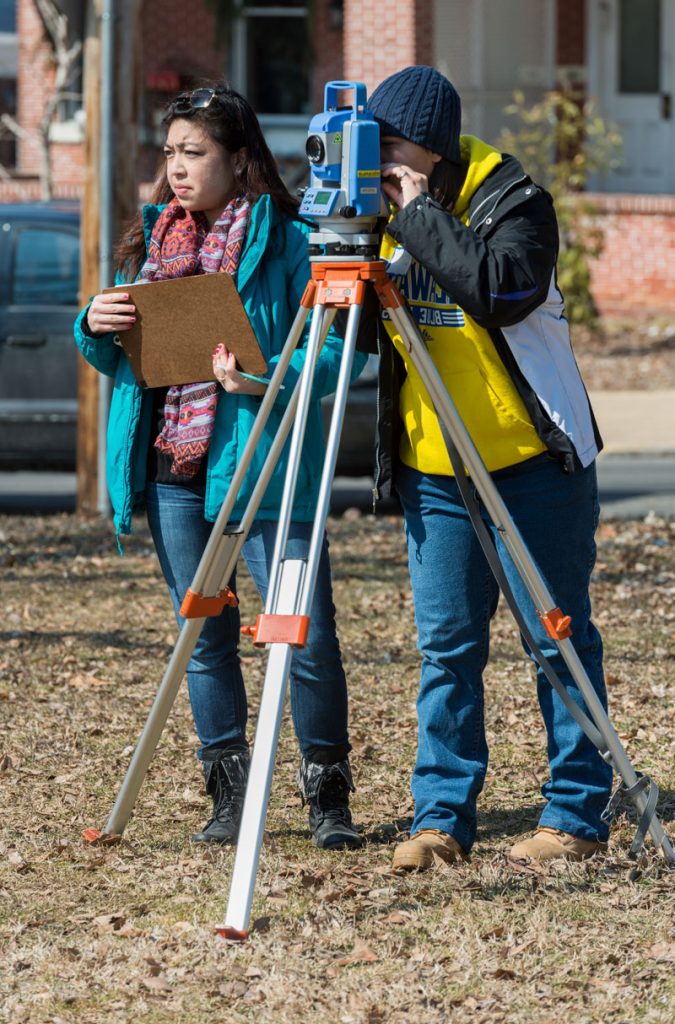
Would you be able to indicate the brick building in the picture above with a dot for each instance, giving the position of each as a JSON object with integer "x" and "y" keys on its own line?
{"x": 280, "y": 56}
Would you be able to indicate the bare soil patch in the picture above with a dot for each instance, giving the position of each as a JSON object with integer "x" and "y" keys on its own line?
{"x": 125, "y": 933}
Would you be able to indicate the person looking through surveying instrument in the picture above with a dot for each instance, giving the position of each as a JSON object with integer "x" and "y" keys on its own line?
{"x": 473, "y": 249}
{"x": 219, "y": 205}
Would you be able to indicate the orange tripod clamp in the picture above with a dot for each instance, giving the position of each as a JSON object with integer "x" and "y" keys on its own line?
{"x": 556, "y": 624}
{"x": 279, "y": 629}
{"x": 341, "y": 285}
{"x": 196, "y": 606}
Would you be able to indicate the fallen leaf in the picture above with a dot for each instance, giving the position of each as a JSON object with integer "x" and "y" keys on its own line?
{"x": 314, "y": 879}
{"x": 361, "y": 953}
{"x": 664, "y": 951}
{"x": 156, "y": 983}
{"x": 84, "y": 682}
{"x": 154, "y": 966}
{"x": 18, "y": 862}
{"x": 261, "y": 924}
{"x": 109, "y": 922}
{"x": 506, "y": 973}
{"x": 397, "y": 917}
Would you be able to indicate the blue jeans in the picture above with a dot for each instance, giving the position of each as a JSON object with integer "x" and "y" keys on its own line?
{"x": 215, "y": 683}
{"x": 455, "y": 596}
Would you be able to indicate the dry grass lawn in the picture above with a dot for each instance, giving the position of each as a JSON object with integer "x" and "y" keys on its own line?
{"x": 125, "y": 932}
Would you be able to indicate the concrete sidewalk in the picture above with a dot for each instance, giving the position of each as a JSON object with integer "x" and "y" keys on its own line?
{"x": 633, "y": 422}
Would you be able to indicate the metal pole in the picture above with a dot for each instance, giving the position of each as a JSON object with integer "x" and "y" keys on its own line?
{"x": 295, "y": 582}
{"x": 107, "y": 179}
{"x": 330, "y": 459}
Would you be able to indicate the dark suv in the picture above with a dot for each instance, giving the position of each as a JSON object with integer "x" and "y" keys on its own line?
{"x": 39, "y": 284}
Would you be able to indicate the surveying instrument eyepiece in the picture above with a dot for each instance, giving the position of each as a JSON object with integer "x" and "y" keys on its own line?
{"x": 345, "y": 200}
{"x": 345, "y": 192}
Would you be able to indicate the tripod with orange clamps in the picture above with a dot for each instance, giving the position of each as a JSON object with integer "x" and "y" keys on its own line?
{"x": 284, "y": 624}
{"x": 345, "y": 199}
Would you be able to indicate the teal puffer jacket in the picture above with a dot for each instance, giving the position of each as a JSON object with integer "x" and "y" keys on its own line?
{"x": 272, "y": 276}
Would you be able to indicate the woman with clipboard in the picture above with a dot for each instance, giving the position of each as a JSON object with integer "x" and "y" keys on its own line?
{"x": 219, "y": 205}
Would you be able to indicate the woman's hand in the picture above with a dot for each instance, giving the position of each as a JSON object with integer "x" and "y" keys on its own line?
{"x": 111, "y": 312}
{"x": 402, "y": 185}
{"x": 227, "y": 374}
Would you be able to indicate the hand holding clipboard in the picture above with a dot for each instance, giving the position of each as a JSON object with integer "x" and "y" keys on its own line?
{"x": 180, "y": 322}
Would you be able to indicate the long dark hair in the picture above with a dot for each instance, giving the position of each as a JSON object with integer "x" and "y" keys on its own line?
{"x": 446, "y": 182}
{"x": 229, "y": 120}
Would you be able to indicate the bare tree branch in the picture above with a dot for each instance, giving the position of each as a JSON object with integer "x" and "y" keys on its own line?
{"x": 15, "y": 128}
{"x": 65, "y": 58}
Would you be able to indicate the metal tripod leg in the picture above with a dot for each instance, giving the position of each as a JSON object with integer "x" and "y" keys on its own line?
{"x": 215, "y": 569}
{"x": 291, "y": 591}
{"x": 525, "y": 566}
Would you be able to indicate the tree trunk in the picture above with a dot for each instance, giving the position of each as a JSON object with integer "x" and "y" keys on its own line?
{"x": 128, "y": 67}
{"x": 87, "y": 383}
{"x": 127, "y": 72}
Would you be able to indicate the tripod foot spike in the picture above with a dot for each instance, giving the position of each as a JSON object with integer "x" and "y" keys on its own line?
{"x": 95, "y": 836}
{"x": 226, "y": 931}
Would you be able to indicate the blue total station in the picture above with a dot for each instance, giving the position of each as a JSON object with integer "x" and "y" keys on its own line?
{"x": 343, "y": 149}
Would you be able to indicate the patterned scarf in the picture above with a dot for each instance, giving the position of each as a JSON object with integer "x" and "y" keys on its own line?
{"x": 182, "y": 245}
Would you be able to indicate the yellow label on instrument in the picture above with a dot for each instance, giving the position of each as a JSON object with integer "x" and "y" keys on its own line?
{"x": 368, "y": 174}
{"x": 337, "y": 139}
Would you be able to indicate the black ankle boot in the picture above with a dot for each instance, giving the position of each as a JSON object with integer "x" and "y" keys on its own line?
{"x": 225, "y": 780}
{"x": 326, "y": 788}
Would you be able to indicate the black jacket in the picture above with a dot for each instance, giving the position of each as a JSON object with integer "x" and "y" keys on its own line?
{"x": 498, "y": 269}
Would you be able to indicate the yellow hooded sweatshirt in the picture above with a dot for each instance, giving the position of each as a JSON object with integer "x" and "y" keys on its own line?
{"x": 464, "y": 354}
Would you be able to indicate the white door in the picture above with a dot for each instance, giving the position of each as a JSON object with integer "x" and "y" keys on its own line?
{"x": 631, "y": 74}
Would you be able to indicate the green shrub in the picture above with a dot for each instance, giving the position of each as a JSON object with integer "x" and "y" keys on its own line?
{"x": 560, "y": 141}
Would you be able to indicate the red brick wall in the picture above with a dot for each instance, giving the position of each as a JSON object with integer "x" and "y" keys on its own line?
{"x": 571, "y": 32}
{"x": 68, "y": 162}
{"x": 34, "y": 78}
{"x": 181, "y": 37}
{"x": 424, "y": 28}
{"x": 382, "y": 36}
{"x": 327, "y": 50}
{"x": 180, "y": 49}
{"x": 636, "y": 271}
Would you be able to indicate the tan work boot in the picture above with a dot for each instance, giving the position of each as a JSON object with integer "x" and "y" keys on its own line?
{"x": 417, "y": 853}
{"x": 551, "y": 843}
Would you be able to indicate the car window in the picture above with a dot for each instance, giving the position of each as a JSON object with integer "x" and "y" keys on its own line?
{"x": 46, "y": 267}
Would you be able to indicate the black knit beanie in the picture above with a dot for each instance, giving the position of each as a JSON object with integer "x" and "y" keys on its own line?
{"x": 420, "y": 104}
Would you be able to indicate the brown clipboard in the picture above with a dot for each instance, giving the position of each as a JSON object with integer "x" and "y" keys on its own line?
{"x": 179, "y": 324}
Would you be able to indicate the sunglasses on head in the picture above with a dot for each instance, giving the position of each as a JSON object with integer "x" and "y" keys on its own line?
{"x": 198, "y": 99}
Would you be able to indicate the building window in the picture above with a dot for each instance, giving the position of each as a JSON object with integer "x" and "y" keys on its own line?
{"x": 271, "y": 57}
{"x": 7, "y": 106}
{"x": 7, "y": 15}
{"x": 70, "y": 107}
{"x": 640, "y": 47}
